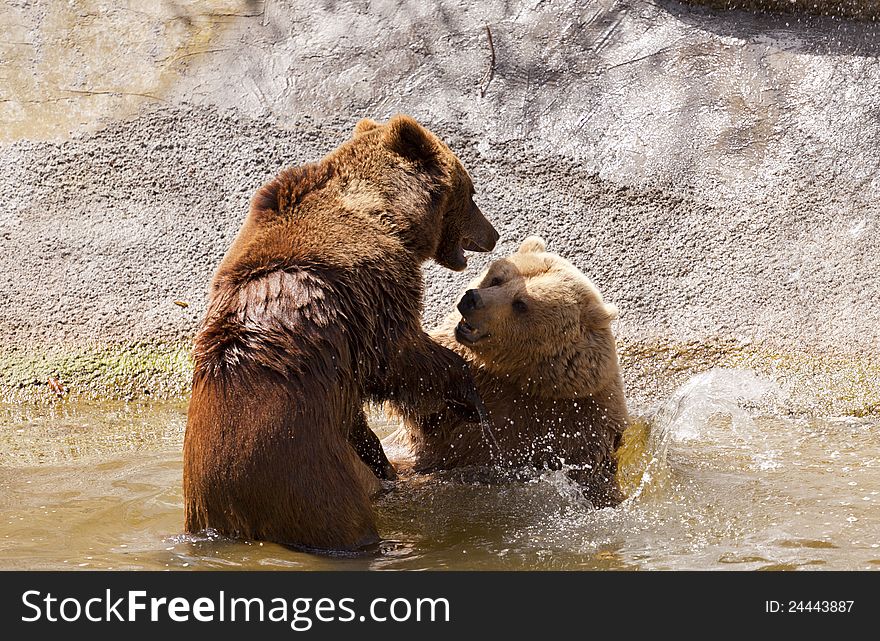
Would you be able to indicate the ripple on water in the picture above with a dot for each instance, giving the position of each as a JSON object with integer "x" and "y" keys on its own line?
{"x": 712, "y": 483}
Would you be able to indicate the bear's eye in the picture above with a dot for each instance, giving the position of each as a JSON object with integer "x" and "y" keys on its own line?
{"x": 520, "y": 307}
{"x": 496, "y": 281}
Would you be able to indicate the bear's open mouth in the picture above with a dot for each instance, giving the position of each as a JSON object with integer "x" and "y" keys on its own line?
{"x": 459, "y": 259}
{"x": 467, "y": 334}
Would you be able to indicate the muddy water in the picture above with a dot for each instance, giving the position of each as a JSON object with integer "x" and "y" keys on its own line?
{"x": 713, "y": 485}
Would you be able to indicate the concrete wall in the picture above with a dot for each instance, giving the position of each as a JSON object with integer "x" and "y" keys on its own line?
{"x": 715, "y": 172}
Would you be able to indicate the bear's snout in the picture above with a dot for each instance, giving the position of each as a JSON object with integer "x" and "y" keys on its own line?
{"x": 470, "y": 301}
{"x": 480, "y": 235}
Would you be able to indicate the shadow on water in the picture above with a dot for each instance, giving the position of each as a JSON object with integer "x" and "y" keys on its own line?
{"x": 714, "y": 482}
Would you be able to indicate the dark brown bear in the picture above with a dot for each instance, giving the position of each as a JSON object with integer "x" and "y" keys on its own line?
{"x": 538, "y": 336}
{"x": 314, "y": 310}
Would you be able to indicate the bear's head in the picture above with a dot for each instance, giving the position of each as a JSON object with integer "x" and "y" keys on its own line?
{"x": 535, "y": 320}
{"x": 430, "y": 193}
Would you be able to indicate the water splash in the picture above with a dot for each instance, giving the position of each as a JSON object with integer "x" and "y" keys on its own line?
{"x": 566, "y": 488}
{"x": 687, "y": 415}
{"x": 778, "y": 492}
{"x": 488, "y": 434}
{"x": 691, "y": 414}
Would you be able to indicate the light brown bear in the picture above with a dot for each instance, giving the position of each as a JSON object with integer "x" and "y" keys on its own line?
{"x": 538, "y": 337}
{"x": 314, "y": 310}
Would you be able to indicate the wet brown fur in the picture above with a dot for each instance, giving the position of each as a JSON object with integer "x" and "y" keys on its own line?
{"x": 314, "y": 310}
{"x": 550, "y": 380}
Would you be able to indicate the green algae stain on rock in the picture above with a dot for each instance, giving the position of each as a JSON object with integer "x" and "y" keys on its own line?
{"x": 808, "y": 384}
{"x": 102, "y": 372}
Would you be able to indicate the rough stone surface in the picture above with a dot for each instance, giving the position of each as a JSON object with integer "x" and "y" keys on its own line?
{"x": 715, "y": 173}
{"x": 861, "y": 9}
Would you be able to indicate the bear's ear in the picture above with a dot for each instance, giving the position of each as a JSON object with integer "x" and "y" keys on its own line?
{"x": 406, "y": 137}
{"x": 365, "y": 125}
{"x": 595, "y": 314}
{"x": 533, "y": 244}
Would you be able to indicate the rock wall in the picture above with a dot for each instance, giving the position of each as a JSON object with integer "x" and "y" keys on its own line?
{"x": 715, "y": 172}
{"x": 859, "y": 9}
